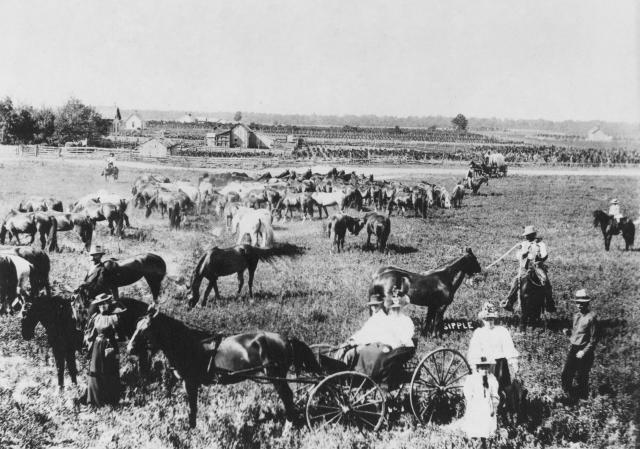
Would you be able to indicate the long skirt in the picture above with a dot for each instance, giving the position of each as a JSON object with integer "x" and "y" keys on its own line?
{"x": 104, "y": 377}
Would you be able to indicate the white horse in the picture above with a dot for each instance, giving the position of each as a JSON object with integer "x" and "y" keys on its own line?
{"x": 255, "y": 222}
{"x": 24, "y": 271}
{"x": 324, "y": 199}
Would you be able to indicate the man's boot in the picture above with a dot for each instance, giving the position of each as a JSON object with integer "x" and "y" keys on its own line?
{"x": 507, "y": 304}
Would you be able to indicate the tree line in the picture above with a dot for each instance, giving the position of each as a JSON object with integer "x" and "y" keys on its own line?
{"x": 72, "y": 122}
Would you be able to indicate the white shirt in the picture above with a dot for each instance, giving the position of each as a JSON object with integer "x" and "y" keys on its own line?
{"x": 394, "y": 331}
{"x": 493, "y": 343}
{"x": 532, "y": 251}
{"x": 614, "y": 210}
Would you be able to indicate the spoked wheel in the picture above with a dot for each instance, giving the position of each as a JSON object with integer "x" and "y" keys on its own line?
{"x": 348, "y": 398}
{"x": 436, "y": 386}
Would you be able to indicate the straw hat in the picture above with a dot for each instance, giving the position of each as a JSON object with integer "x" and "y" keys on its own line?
{"x": 488, "y": 311}
{"x": 614, "y": 201}
{"x": 95, "y": 250}
{"x": 529, "y": 230}
{"x": 102, "y": 298}
{"x": 582, "y": 296}
{"x": 375, "y": 300}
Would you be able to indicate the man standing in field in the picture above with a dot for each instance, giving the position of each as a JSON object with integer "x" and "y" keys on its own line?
{"x": 583, "y": 342}
{"x": 532, "y": 251}
{"x": 96, "y": 254}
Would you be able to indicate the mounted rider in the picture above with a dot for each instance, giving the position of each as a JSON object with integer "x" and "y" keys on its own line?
{"x": 111, "y": 160}
{"x": 532, "y": 255}
{"x": 616, "y": 215}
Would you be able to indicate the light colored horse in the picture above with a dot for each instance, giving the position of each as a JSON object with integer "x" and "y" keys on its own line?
{"x": 255, "y": 222}
{"x": 24, "y": 271}
{"x": 324, "y": 199}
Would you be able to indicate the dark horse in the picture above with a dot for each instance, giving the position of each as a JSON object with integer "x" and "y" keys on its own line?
{"x": 608, "y": 228}
{"x": 110, "y": 171}
{"x": 41, "y": 266}
{"x": 226, "y": 261}
{"x": 380, "y": 226}
{"x": 532, "y": 299}
{"x": 200, "y": 358}
{"x": 58, "y": 317}
{"x": 118, "y": 273}
{"x": 8, "y": 284}
{"x": 32, "y": 223}
{"x": 432, "y": 289}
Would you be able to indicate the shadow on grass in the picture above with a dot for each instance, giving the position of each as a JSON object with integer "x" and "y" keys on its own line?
{"x": 400, "y": 249}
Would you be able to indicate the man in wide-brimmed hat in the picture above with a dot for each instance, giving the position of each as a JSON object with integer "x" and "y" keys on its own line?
{"x": 369, "y": 333}
{"x": 532, "y": 253}
{"x": 96, "y": 252}
{"x": 616, "y": 214}
{"x": 583, "y": 339}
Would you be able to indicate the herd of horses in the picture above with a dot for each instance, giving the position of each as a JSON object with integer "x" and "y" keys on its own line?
{"x": 236, "y": 199}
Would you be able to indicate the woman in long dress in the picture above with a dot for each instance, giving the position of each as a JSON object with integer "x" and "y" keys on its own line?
{"x": 104, "y": 370}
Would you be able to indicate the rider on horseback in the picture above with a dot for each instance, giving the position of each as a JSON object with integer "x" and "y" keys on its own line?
{"x": 616, "y": 215}
{"x": 111, "y": 160}
{"x": 532, "y": 255}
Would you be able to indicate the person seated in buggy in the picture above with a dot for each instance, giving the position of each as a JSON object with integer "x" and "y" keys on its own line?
{"x": 385, "y": 343}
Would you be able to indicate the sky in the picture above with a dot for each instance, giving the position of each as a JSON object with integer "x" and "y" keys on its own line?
{"x": 567, "y": 59}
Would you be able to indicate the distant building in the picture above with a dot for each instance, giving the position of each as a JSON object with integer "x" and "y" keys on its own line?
{"x": 134, "y": 121}
{"x": 187, "y": 118}
{"x": 158, "y": 147}
{"x": 239, "y": 136}
{"x": 117, "y": 121}
{"x": 595, "y": 134}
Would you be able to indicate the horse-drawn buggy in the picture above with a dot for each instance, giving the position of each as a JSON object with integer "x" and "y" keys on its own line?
{"x": 431, "y": 387}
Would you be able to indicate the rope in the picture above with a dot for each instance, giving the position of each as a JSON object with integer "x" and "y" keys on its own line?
{"x": 502, "y": 257}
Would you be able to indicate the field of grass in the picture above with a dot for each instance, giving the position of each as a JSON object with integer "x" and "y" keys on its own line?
{"x": 319, "y": 298}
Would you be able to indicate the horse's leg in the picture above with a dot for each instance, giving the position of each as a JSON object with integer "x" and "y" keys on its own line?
{"x": 154, "y": 286}
{"x": 429, "y": 320}
{"x": 215, "y": 289}
{"x": 114, "y": 293}
{"x": 286, "y": 395}
{"x": 111, "y": 229}
{"x": 607, "y": 241}
{"x": 43, "y": 239}
{"x": 368, "y": 239}
{"x": 207, "y": 291}
{"x": 59, "y": 356}
{"x": 191, "y": 387}
{"x": 71, "y": 365}
{"x": 240, "y": 281}
{"x": 438, "y": 320}
{"x": 251, "y": 273}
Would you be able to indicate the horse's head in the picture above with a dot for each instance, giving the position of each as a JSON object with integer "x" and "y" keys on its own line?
{"x": 143, "y": 341}
{"x": 472, "y": 266}
{"x": 600, "y": 218}
{"x": 355, "y": 225}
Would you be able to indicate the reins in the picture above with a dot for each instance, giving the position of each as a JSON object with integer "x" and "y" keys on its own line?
{"x": 501, "y": 257}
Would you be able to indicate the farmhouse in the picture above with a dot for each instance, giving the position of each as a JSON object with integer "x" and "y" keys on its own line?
{"x": 595, "y": 134}
{"x": 157, "y": 147}
{"x": 134, "y": 121}
{"x": 239, "y": 136}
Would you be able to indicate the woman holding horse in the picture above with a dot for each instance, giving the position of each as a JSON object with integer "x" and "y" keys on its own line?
{"x": 495, "y": 342}
{"x": 104, "y": 370}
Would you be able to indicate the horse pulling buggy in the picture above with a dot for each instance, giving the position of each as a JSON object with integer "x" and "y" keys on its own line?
{"x": 343, "y": 396}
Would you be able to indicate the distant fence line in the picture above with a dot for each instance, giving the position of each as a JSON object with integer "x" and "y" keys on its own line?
{"x": 257, "y": 157}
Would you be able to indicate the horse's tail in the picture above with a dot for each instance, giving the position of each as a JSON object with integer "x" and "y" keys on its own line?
{"x": 267, "y": 233}
{"x": 196, "y": 278}
{"x": 3, "y": 232}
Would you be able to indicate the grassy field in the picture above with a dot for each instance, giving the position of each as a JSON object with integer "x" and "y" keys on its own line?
{"x": 319, "y": 298}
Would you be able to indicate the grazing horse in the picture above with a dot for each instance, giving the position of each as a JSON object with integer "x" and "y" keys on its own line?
{"x": 110, "y": 171}
{"x": 380, "y": 225}
{"x": 337, "y": 198}
{"x": 31, "y": 223}
{"x": 63, "y": 334}
{"x": 403, "y": 201}
{"x": 218, "y": 262}
{"x": 38, "y": 271}
{"x": 108, "y": 212}
{"x": 78, "y": 222}
{"x": 8, "y": 284}
{"x": 338, "y": 226}
{"x": 163, "y": 198}
{"x": 200, "y": 358}
{"x": 608, "y": 228}
{"x": 432, "y": 289}
{"x": 457, "y": 195}
{"x": 37, "y": 204}
{"x": 255, "y": 223}
{"x": 477, "y": 181}
{"x": 441, "y": 197}
{"x": 118, "y": 273}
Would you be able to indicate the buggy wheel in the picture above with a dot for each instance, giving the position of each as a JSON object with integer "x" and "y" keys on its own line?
{"x": 436, "y": 386}
{"x": 348, "y": 398}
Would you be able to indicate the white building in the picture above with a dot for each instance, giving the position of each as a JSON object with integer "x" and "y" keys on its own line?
{"x": 134, "y": 121}
{"x": 595, "y": 134}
